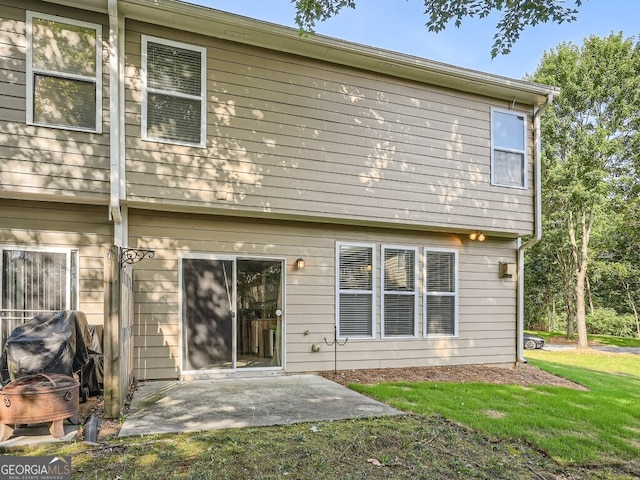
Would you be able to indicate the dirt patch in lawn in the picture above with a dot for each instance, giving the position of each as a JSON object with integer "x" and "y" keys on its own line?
{"x": 522, "y": 374}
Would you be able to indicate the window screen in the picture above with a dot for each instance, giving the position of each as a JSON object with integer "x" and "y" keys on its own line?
{"x": 174, "y": 106}
{"x": 441, "y": 293}
{"x": 355, "y": 291}
{"x": 398, "y": 292}
{"x": 509, "y": 160}
{"x": 37, "y": 281}
{"x": 64, "y": 72}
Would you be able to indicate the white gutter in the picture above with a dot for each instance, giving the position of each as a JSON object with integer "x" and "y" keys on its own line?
{"x": 231, "y": 27}
{"x": 537, "y": 112}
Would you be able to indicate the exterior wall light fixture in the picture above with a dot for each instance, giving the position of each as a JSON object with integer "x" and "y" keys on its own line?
{"x": 479, "y": 236}
{"x": 300, "y": 263}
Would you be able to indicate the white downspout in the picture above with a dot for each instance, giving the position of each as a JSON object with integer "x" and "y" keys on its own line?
{"x": 115, "y": 124}
{"x": 114, "y": 150}
{"x": 537, "y": 112}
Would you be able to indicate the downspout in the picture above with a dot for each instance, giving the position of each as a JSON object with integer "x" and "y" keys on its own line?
{"x": 537, "y": 112}
{"x": 114, "y": 124}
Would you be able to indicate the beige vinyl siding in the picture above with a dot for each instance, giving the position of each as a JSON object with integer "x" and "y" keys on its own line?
{"x": 294, "y": 138}
{"x": 487, "y": 326}
{"x": 39, "y": 162}
{"x": 86, "y": 228}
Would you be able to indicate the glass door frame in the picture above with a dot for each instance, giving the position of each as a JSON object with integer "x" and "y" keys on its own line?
{"x": 182, "y": 330}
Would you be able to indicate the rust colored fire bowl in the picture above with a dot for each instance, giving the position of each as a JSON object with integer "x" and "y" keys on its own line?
{"x": 39, "y": 398}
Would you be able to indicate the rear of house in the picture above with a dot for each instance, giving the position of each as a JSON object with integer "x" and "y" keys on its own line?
{"x": 289, "y": 191}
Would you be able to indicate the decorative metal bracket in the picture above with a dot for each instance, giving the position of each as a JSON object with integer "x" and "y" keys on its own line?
{"x": 132, "y": 256}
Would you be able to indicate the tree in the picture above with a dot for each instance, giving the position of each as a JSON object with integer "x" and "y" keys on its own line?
{"x": 587, "y": 156}
{"x": 517, "y": 15}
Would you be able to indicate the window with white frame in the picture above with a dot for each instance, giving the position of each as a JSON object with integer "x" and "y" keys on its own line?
{"x": 64, "y": 73}
{"x": 174, "y": 92}
{"x": 399, "y": 298}
{"x": 355, "y": 283}
{"x": 37, "y": 281}
{"x": 441, "y": 293}
{"x": 508, "y": 148}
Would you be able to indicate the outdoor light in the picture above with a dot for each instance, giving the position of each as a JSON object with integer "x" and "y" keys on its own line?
{"x": 481, "y": 237}
{"x": 477, "y": 236}
{"x": 473, "y": 235}
{"x": 300, "y": 263}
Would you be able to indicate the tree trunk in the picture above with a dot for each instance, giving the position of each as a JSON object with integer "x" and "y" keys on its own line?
{"x": 568, "y": 291}
{"x": 571, "y": 318}
{"x": 581, "y": 319}
{"x": 589, "y": 296}
{"x": 581, "y": 260}
{"x": 633, "y": 306}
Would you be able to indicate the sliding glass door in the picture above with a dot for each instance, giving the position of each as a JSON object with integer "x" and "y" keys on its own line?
{"x": 231, "y": 313}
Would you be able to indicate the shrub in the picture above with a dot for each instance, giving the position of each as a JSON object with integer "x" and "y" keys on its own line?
{"x": 606, "y": 321}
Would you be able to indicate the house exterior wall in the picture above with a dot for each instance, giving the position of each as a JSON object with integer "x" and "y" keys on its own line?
{"x": 300, "y": 154}
{"x": 44, "y": 163}
{"x": 25, "y": 225}
{"x": 486, "y": 327}
{"x": 289, "y": 137}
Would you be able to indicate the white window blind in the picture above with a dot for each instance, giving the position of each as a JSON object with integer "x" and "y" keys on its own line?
{"x": 398, "y": 292}
{"x": 355, "y": 296}
{"x": 508, "y": 152}
{"x": 174, "y": 107}
{"x": 64, "y": 70}
{"x": 441, "y": 293}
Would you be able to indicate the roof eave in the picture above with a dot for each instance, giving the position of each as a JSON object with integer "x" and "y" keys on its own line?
{"x": 237, "y": 28}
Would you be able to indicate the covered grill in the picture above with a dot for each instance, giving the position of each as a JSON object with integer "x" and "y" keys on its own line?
{"x": 37, "y": 369}
{"x": 56, "y": 342}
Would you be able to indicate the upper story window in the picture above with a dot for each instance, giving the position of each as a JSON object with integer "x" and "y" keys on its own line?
{"x": 355, "y": 299}
{"x": 64, "y": 73}
{"x": 399, "y": 296}
{"x": 174, "y": 92}
{"x": 441, "y": 293}
{"x": 508, "y": 149}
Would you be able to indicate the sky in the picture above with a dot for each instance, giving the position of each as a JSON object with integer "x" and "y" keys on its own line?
{"x": 399, "y": 25}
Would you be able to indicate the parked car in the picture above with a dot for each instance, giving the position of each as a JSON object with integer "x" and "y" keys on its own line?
{"x": 531, "y": 342}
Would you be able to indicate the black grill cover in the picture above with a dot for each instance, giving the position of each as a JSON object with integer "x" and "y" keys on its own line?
{"x": 48, "y": 343}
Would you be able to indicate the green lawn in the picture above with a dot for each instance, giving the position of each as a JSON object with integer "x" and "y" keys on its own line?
{"x": 594, "y": 339}
{"x": 459, "y": 431}
{"x": 598, "y": 426}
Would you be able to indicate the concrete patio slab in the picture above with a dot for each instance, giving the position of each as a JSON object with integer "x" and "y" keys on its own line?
{"x": 191, "y": 406}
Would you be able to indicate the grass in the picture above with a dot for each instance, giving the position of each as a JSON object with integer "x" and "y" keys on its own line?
{"x": 595, "y": 339}
{"x": 411, "y": 447}
{"x": 458, "y": 431}
{"x": 598, "y": 426}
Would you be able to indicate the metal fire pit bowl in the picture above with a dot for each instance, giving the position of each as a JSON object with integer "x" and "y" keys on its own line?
{"x": 39, "y": 398}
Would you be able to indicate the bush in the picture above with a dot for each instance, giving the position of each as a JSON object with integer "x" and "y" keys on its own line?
{"x": 606, "y": 321}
